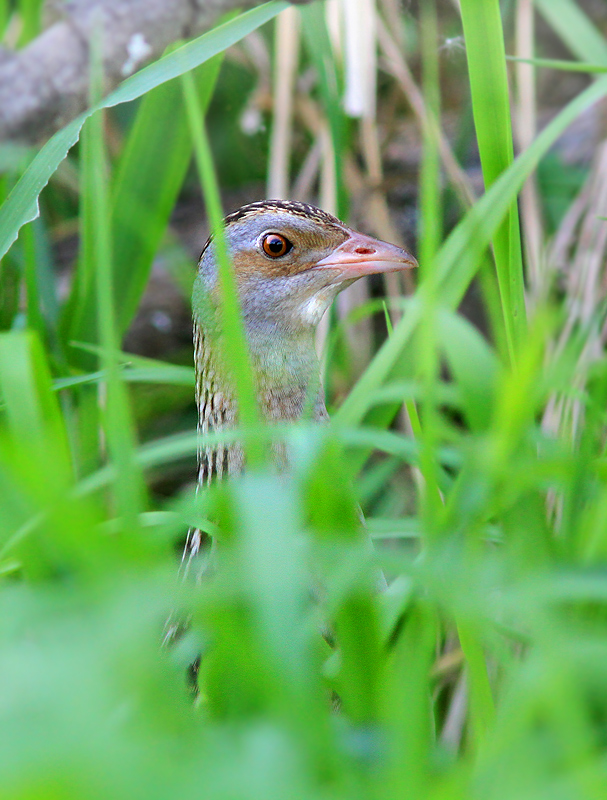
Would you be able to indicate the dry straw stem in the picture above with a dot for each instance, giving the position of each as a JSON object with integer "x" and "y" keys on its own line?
{"x": 304, "y": 183}
{"x": 378, "y": 214}
{"x": 395, "y": 65}
{"x": 361, "y": 102}
{"x": 360, "y": 57}
{"x": 45, "y": 85}
{"x": 579, "y": 254}
{"x": 456, "y": 717}
{"x": 320, "y": 161}
{"x": 328, "y": 200}
{"x": 253, "y": 54}
{"x": 285, "y": 72}
{"x": 360, "y": 71}
{"x": 393, "y": 12}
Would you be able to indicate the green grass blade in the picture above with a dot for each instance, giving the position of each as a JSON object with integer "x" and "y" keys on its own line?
{"x": 430, "y": 240}
{"x": 481, "y": 697}
{"x": 149, "y": 176}
{"x": 153, "y": 165}
{"x": 31, "y": 12}
{"x": 30, "y": 406}
{"x": 22, "y": 204}
{"x": 35, "y": 320}
{"x": 459, "y": 256}
{"x": 430, "y": 194}
{"x": 97, "y": 253}
{"x": 575, "y": 28}
{"x": 232, "y": 324}
{"x": 408, "y": 705}
{"x": 167, "y": 374}
{"x": 473, "y": 365}
{"x": 159, "y": 371}
{"x": 566, "y": 66}
{"x": 491, "y": 108}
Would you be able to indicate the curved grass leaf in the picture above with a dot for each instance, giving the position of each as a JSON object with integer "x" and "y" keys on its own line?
{"x": 149, "y": 175}
{"x": 33, "y": 416}
{"x": 566, "y": 66}
{"x": 21, "y": 205}
{"x": 575, "y": 28}
{"x": 459, "y": 257}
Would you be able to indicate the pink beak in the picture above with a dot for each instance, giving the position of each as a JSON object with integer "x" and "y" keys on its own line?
{"x": 363, "y": 255}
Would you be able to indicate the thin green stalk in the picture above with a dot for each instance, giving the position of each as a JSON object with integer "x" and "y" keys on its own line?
{"x": 459, "y": 257}
{"x": 35, "y": 320}
{"x": 430, "y": 475}
{"x": 30, "y": 12}
{"x": 416, "y": 426}
{"x": 566, "y": 66}
{"x": 576, "y": 29}
{"x": 128, "y": 487}
{"x": 491, "y": 108}
{"x": 145, "y": 184}
{"x": 482, "y": 705}
{"x": 431, "y": 206}
{"x": 4, "y": 14}
{"x": 42, "y": 304}
{"x": 232, "y": 324}
{"x": 410, "y": 406}
{"x": 430, "y": 239}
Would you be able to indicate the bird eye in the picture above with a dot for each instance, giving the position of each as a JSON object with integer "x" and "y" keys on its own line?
{"x": 275, "y": 245}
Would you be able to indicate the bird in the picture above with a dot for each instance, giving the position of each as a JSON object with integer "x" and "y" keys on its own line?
{"x": 290, "y": 261}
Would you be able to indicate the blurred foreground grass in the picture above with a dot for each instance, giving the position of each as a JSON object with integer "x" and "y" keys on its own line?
{"x": 480, "y": 671}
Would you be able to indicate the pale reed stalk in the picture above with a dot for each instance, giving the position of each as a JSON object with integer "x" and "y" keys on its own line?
{"x": 526, "y": 129}
{"x": 287, "y": 51}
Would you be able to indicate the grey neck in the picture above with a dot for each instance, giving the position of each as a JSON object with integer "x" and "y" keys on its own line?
{"x": 286, "y": 373}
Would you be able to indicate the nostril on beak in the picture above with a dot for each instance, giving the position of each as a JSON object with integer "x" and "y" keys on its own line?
{"x": 365, "y": 251}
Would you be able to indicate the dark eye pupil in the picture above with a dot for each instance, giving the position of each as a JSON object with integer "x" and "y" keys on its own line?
{"x": 275, "y": 245}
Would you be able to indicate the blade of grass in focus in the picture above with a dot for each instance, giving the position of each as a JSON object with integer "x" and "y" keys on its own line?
{"x": 232, "y": 323}
{"x": 96, "y": 238}
{"x": 491, "y": 108}
{"x": 430, "y": 196}
{"x": 429, "y": 242}
{"x": 482, "y": 710}
{"x": 148, "y": 178}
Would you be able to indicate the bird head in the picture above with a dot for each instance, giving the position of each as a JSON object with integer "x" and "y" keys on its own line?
{"x": 290, "y": 261}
